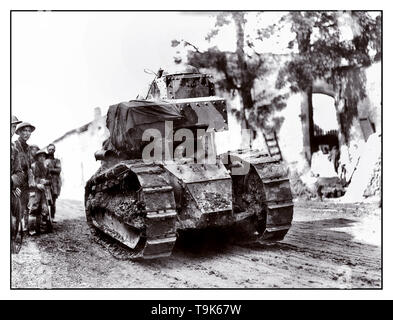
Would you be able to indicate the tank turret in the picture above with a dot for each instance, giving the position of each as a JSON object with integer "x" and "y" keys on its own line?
{"x": 186, "y": 100}
{"x": 181, "y": 85}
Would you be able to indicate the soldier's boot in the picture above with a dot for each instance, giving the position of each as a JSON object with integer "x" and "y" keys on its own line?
{"x": 38, "y": 220}
{"x": 47, "y": 221}
{"x": 25, "y": 221}
{"x": 34, "y": 223}
{"x": 52, "y": 211}
{"x": 53, "y": 208}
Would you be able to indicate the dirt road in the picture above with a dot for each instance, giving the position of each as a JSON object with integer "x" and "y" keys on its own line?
{"x": 329, "y": 246}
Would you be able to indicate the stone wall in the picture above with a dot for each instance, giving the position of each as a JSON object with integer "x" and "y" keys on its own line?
{"x": 76, "y": 151}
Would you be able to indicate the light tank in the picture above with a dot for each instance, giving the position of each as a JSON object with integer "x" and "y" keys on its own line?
{"x": 152, "y": 183}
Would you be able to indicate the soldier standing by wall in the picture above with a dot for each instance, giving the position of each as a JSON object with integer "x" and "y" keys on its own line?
{"x": 24, "y": 131}
{"x": 17, "y": 177}
{"x": 40, "y": 195}
{"x": 17, "y": 174}
{"x": 54, "y": 166}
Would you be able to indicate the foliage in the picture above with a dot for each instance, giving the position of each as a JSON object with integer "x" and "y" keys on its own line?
{"x": 322, "y": 52}
{"x": 237, "y": 72}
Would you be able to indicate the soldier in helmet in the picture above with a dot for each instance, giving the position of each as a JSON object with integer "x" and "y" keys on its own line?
{"x": 40, "y": 195}
{"x": 23, "y": 130}
{"x": 54, "y": 166}
{"x": 14, "y": 123}
{"x": 17, "y": 177}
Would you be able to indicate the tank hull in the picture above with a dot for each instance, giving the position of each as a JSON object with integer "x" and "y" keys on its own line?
{"x": 145, "y": 205}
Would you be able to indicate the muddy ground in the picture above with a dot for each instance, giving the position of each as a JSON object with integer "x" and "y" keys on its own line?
{"x": 329, "y": 246}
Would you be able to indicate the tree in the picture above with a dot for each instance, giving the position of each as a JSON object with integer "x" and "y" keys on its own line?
{"x": 237, "y": 72}
{"x": 322, "y": 52}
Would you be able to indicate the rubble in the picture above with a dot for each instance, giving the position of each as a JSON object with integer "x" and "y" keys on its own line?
{"x": 366, "y": 179}
{"x": 302, "y": 186}
{"x": 374, "y": 185}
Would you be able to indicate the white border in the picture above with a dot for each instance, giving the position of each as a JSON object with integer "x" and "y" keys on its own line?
{"x": 5, "y": 293}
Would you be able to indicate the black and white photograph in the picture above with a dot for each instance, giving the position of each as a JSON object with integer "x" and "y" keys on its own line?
{"x": 196, "y": 149}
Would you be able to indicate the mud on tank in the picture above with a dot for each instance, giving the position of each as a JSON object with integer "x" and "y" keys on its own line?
{"x": 145, "y": 202}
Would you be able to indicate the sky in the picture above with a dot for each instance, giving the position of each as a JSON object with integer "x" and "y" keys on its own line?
{"x": 64, "y": 64}
{"x": 324, "y": 112}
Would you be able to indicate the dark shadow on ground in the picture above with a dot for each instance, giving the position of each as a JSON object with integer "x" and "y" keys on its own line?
{"x": 212, "y": 242}
{"x": 326, "y": 223}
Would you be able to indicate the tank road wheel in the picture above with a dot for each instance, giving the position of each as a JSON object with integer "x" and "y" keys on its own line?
{"x": 137, "y": 210}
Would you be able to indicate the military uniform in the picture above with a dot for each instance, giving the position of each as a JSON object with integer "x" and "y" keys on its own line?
{"x": 54, "y": 167}
{"x": 39, "y": 199}
{"x": 18, "y": 175}
{"x": 20, "y": 178}
{"x": 32, "y": 151}
{"x": 17, "y": 178}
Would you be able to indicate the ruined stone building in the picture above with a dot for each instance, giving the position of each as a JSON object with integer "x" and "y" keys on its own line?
{"x": 334, "y": 120}
{"x": 76, "y": 150}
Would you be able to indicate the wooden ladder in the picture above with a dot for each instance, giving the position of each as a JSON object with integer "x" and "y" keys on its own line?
{"x": 272, "y": 144}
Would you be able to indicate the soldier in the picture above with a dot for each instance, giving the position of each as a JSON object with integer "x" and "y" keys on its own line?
{"x": 54, "y": 166}
{"x": 16, "y": 171}
{"x": 24, "y": 131}
{"x": 17, "y": 176}
{"x": 32, "y": 152}
{"x": 40, "y": 194}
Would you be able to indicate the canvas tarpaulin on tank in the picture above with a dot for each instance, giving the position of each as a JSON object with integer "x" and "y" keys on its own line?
{"x": 127, "y": 120}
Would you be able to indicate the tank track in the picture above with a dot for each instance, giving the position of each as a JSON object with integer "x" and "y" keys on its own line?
{"x": 266, "y": 192}
{"x": 278, "y": 204}
{"x": 150, "y": 232}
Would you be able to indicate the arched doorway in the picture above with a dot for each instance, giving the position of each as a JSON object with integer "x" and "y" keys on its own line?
{"x": 325, "y": 122}
{"x": 324, "y": 140}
